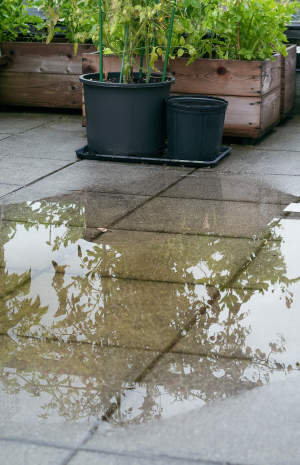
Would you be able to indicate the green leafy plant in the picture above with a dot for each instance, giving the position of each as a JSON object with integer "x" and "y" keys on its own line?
{"x": 14, "y": 19}
{"x": 247, "y": 29}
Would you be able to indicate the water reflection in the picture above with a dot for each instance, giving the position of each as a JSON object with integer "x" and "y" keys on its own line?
{"x": 138, "y": 325}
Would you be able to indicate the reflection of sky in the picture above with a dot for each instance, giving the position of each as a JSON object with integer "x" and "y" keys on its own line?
{"x": 269, "y": 317}
{"x": 289, "y": 230}
{"x": 266, "y": 315}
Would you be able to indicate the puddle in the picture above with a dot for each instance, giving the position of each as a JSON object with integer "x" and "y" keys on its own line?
{"x": 136, "y": 325}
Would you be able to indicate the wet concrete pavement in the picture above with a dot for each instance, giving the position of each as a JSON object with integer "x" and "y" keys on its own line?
{"x": 131, "y": 296}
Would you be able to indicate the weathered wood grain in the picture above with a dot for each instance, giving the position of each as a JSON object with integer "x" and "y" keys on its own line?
{"x": 45, "y": 90}
{"x": 288, "y": 81}
{"x": 34, "y": 57}
{"x": 3, "y": 60}
{"x": 217, "y": 77}
{"x": 270, "y": 109}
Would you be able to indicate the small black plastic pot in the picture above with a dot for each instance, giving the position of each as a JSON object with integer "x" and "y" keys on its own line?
{"x": 195, "y": 127}
{"x": 125, "y": 119}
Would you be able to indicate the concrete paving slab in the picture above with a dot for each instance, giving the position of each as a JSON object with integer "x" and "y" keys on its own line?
{"x": 17, "y": 122}
{"x": 174, "y": 258}
{"x": 95, "y": 458}
{"x": 247, "y": 160}
{"x": 184, "y": 382}
{"x": 277, "y": 259}
{"x": 55, "y": 391}
{"x": 33, "y": 429}
{"x": 114, "y": 312}
{"x": 281, "y": 139}
{"x": 56, "y": 140}
{"x": 7, "y": 188}
{"x": 238, "y": 187}
{"x": 22, "y": 171}
{"x": 290, "y": 124}
{"x": 248, "y": 325}
{"x": 257, "y": 427}
{"x": 91, "y": 210}
{"x": 238, "y": 219}
{"x": 114, "y": 178}
{"x": 23, "y": 454}
{"x": 5, "y": 136}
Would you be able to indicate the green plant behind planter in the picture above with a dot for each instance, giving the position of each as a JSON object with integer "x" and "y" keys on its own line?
{"x": 260, "y": 23}
{"x": 14, "y": 19}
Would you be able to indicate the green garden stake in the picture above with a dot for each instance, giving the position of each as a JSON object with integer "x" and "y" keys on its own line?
{"x": 142, "y": 60}
{"x": 168, "y": 45}
{"x": 100, "y": 43}
{"x": 153, "y": 42}
{"x": 123, "y": 58}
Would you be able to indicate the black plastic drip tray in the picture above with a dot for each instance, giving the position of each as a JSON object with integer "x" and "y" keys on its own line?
{"x": 84, "y": 153}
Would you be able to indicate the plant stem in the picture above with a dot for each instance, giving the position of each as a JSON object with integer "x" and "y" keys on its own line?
{"x": 168, "y": 45}
{"x": 123, "y": 58}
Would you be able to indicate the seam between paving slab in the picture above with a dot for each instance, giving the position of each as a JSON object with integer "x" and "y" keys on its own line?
{"x": 139, "y": 378}
{"x": 154, "y": 457}
{"x": 113, "y": 223}
{"x": 30, "y": 129}
{"x": 39, "y": 179}
{"x": 187, "y": 233}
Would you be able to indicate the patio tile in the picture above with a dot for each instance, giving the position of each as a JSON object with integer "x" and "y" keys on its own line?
{"x": 259, "y": 160}
{"x": 94, "y": 458}
{"x": 237, "y": 187}
{"x": 92, "y": 210}
{"x": 22, "y": 171}
{"x": 56, "y": 140}
{"x": 23, "y": 454}
{"x": 4, "y": 136}
{"x": 54, "y": 392}
{"x": 7, "y": 188}
{"x": 238, "y": 219}
{"x": 106, "y": 311}
{"x": 17, "y": 122}
{"x": 171, "y": 257}
{"x": 114, "y": 178}
{"x": 279, "y": 256}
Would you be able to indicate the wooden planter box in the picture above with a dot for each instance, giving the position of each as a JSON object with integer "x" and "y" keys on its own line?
{"x": 42, "y": 75}
{"x": 288, "y": 81}
{"x": 252, "y": 89}
{"x": 3, "y": 60}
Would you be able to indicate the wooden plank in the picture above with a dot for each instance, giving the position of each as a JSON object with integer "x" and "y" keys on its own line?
{"x": 3, "y": 60}
{"x": 288, "y": 81}
{"x": 45, "y": 90}
{"x": 242, "y": 117}
{"x": 288, "y": 99}
{"x": 270, "y": 109}
{"x": 35, "y": 57}
{"x": 204, "y": 76}
{"x": 271, "y": 74}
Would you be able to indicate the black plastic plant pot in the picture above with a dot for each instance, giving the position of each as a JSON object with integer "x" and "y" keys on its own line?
{"x": 195, "y": 127}
{"x": 125, "y": 119}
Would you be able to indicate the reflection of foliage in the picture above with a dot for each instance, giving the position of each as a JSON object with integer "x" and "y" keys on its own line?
{"x": 104, "y": 307}
{"x": 50, "y": 214}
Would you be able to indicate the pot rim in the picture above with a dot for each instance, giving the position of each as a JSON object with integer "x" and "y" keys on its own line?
{"x": 84, "y": 80}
